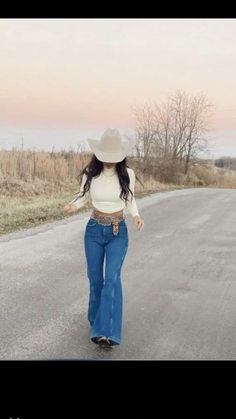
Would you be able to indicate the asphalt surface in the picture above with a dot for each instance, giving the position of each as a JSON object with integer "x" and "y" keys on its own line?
{"x": 179, "y": 284}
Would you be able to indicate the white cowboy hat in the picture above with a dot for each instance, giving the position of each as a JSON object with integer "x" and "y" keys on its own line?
{"x": 110, "y": 148}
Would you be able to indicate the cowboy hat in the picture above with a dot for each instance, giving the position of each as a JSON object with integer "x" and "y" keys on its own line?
{"x": 110, "y": 148}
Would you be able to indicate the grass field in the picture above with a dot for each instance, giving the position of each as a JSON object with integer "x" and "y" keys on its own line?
{"x": 35, "y": 186}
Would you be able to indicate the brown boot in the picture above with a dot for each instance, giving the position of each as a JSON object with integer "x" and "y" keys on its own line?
{"x": 103, "y": 341}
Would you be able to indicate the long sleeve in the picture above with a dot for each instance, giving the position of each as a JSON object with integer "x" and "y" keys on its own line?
{"x": 132, "y": 206}
{"x": 80, "y": 201}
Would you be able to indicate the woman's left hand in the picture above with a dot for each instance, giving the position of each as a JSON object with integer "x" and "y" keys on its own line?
{"x": 138, "y": 222}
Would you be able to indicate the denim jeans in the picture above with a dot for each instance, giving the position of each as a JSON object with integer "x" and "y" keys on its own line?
{"x": 105, "y": 289}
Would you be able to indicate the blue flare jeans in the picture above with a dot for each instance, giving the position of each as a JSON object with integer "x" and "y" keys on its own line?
{"x": 105, "y": 288}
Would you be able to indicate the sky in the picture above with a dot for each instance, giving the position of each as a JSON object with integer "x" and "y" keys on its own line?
{"x": 65, "y": 80}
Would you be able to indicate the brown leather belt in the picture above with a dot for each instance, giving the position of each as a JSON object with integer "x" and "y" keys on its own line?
{"x": 113, "y": 219}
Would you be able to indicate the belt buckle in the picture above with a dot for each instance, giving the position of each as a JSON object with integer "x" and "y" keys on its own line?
{"x": 104, "y": 221}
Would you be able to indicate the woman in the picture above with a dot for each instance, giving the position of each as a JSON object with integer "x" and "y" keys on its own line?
{"x": 110, "y": 184}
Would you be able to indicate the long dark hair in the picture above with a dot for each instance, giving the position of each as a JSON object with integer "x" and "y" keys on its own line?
{"x": 95, "y": 167}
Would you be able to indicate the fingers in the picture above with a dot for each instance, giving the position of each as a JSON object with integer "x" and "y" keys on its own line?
{"x": 140, "y": 225}
{"x": 69, "y": 208}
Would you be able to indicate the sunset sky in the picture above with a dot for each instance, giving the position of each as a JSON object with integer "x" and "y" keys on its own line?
{"x": 63, "y": 80}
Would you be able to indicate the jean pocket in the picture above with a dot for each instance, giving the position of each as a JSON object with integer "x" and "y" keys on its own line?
{"x": 123, "y": 230}
{"x": 91, "y": 223}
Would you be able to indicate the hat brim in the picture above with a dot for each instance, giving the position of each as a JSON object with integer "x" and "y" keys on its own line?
{"x": 106, "y": 156}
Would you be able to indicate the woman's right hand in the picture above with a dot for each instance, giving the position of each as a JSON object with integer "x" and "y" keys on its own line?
{"x": 70, "y": 208}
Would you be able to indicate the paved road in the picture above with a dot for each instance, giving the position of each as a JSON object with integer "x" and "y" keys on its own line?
{"x": 179, "y": 284}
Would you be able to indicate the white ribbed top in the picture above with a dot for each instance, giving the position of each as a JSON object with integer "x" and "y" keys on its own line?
{"x": 105, "y": 190}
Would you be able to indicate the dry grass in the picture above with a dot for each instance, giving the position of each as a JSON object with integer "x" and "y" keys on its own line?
{"x": 30, "y": 166}
{"x": 35, "y": 186}
{"x": 214, "y": 176}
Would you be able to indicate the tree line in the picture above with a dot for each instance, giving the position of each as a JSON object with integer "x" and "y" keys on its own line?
{"x": 169, "y": 136}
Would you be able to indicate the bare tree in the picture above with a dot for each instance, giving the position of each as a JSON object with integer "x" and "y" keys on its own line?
{"x": 144, "y": 133}
{"x": 192, "y": 114}
{"x": 172, "y": 132}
